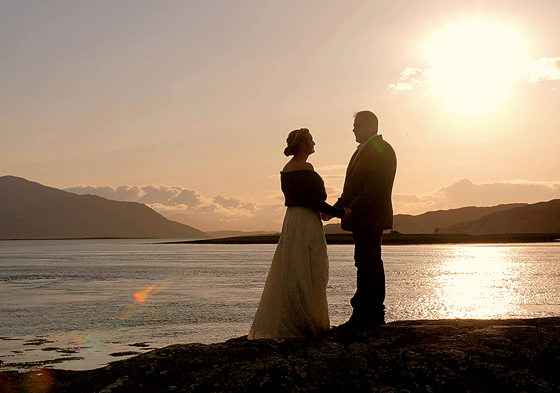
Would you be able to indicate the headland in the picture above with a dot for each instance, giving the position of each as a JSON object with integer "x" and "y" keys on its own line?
{"x": 396, "y": 238}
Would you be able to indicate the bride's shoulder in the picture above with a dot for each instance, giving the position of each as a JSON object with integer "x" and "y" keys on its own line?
{"x": 309, "y": 167}
{"x": 292, "y": 167}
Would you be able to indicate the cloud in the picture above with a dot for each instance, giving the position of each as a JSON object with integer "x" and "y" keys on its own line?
{"x": 408, "y": 78}
{"x": 247, "y": 216}
{"x": 189, "y": 207}
{"x": 232, "y": 213}
{"x": 235, "y": 203}
{"x": 332, "y": 171}
{"x": 162, "y": 194}
{"x": 545, "y": 69}
{"x": 466, "y": 193}
{"x": 186, "y": 197}
{"x": 121, "y": 193}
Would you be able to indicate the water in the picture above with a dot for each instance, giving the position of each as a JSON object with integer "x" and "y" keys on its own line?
{"x": 85, "y": 302}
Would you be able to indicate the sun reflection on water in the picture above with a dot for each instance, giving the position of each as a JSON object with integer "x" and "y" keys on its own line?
{"x": 476, "y": 282}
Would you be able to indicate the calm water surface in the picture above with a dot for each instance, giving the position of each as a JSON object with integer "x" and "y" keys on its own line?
{"x": 92, "y": 300}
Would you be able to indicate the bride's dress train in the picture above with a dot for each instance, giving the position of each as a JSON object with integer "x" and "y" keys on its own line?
{"x": 294, "y": 299}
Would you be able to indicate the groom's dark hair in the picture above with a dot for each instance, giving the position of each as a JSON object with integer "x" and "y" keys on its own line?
{"x": 369, "y": 117}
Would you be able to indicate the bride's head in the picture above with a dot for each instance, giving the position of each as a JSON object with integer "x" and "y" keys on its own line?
{"x": 299, "y": 141}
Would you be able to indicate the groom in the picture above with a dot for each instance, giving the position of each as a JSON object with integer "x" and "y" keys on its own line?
{"x": 367, "y": 197}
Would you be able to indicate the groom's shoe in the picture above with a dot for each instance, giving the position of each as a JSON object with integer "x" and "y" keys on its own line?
{"x": 351, "y": 326}
{"x": 348, "y": 326}
{"x": 355, "y": 324}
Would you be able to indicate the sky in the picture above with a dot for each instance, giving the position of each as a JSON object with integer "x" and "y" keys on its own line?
{"x": 186, "y": 105}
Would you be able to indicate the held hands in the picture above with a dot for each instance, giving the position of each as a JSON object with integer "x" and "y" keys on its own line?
{"x": 346, "y": 218}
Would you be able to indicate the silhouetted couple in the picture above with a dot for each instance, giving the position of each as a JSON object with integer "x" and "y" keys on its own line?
{"x": 294, "y": 300}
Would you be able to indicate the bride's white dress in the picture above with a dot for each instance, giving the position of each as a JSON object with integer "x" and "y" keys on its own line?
{"x": 294, "y": 299}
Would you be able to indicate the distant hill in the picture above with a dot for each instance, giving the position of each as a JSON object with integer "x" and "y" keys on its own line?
{"x": 29, "y": 210}
{"x": 429, "y": 221}
{"x": 239, "y": 233}
{"x": 542, "y": 217}
{"x": 183, "y": 219}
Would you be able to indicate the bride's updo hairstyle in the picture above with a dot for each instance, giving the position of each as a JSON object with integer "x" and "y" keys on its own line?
{"x": 295, "y": 141}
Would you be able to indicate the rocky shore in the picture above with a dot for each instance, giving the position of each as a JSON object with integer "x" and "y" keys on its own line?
{"x": 517, "y": 355}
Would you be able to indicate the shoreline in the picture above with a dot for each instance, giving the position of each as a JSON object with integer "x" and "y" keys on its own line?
{"x": 456, "y": 355}
{"x": 394, "y": 239}
{"x": 44, "y": 351}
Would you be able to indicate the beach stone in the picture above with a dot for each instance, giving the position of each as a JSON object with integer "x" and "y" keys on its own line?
{"x": 517, "y": 355}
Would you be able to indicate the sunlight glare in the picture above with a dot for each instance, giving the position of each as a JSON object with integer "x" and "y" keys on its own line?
{"x": 474, "y": 283}
{"x": 473, "y": 64}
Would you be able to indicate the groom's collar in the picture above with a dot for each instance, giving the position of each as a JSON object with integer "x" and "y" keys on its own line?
{"x": 372, "y": 141}
{"x": 363, "y": 144}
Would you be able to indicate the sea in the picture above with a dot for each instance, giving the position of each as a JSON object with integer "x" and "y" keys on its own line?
{"x": 80, "y": 304}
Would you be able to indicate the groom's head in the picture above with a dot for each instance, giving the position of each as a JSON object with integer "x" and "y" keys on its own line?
{"x": 365, "y": 125}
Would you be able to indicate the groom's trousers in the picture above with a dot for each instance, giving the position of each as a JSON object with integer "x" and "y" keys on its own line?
{"x": 368, "y": 300}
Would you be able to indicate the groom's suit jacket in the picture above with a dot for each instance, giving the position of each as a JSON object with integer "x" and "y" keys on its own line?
{"x": 368, "y": 186}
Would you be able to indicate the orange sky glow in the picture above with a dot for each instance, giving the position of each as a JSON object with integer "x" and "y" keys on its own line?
{"x": 185, "y": 106}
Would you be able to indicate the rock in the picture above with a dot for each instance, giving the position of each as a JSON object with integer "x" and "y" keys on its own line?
{"x": 406, "y": 356}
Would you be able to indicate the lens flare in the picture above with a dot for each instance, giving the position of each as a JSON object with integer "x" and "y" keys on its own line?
{"x": 89, "y": 342}
{"x": 141, "y": 296}
{"x": 129, "y": 312}
{"x": 151, "y": 290}
{"x": 40, "y": 381}
{"x": 8, "y": 384}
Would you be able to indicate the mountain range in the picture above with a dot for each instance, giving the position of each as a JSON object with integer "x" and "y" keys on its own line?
{"x": 542, "y": 217}
{"x": 29, "y": 210}
{"x": 440, "y": 220}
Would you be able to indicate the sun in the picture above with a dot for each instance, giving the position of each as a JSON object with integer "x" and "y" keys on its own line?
{"x": 473, "y": 63}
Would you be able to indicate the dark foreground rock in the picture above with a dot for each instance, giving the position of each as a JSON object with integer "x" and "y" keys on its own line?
{"x": 521, "y": 355}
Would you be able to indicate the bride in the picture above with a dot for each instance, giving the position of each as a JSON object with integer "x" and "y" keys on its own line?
{"x": 294, "y": 299}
